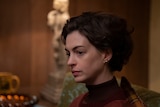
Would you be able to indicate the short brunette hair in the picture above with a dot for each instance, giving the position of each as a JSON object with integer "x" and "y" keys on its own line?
{"x": 104, "y": 31}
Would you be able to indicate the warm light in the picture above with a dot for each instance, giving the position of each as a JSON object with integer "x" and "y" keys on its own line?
{"x": 9, "y": 97}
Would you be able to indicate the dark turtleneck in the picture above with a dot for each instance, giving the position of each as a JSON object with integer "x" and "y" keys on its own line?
{"x": 103, "y": 93}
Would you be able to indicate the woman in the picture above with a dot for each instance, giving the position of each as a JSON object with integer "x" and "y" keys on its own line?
{"x": 97, "y": 45}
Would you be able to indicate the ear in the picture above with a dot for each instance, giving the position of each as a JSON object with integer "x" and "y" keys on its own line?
{"x": 107, "y": 55}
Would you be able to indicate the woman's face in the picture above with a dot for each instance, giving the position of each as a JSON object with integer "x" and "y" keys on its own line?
{"x": 87, "y": 64}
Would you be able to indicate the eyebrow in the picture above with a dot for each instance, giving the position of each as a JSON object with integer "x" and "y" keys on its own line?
{"x": 74, "y": 48}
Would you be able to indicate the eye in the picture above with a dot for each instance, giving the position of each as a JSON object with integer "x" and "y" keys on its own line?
{"x": 79, "y": 52}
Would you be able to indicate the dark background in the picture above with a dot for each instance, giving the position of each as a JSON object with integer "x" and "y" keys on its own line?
{"x": 25, "y": 38}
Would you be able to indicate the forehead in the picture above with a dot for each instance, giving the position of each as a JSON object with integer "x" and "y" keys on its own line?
{"x": 76, "y": 39}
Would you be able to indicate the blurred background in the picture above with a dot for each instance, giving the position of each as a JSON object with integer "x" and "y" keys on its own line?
{"x": 26, "y": 47}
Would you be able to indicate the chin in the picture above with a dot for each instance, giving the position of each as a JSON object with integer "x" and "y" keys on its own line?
{"x": 79, "y": 80}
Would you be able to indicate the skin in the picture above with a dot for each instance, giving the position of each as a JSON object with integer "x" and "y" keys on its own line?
{"x": 87, "y": 64}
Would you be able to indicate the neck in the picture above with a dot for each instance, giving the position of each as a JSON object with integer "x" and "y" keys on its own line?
{"x": 101, "y": 78}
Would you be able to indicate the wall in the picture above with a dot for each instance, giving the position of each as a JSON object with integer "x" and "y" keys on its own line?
{"x": 154, "y": 57}
{"x": 25, "y": 47}
{"x": 25, "y": 39}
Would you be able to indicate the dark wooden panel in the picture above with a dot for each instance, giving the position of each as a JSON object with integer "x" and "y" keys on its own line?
{"x": 138, "y": 16}
{"x": 111, "y": 6}
{"x": 25, "y": 40}
{"x": 41, "y": 51}
{"x": 15, "y": 39}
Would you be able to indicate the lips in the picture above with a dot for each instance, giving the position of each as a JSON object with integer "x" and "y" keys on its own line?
{"x": 76, "y": 73}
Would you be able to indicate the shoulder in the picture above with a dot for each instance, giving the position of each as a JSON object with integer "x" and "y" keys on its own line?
{"x": 116, "y": 103}
{"x": 117, "y": 100}
{"x": 77, "y": 100}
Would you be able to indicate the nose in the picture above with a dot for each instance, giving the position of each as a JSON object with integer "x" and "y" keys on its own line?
{"x": 71, "y": 61}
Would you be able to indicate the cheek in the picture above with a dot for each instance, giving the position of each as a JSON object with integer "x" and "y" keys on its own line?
{"x": 92, "y": 63}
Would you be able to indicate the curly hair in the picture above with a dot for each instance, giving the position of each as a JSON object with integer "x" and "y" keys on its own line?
{"x": 104, "y": 31}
